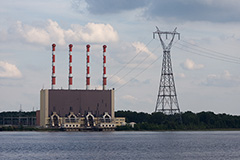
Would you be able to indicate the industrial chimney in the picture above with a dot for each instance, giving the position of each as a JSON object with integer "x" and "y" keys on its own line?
{"x": 104, "y": 67}
{"x": 70, "y": 77}
{"x": 53, "y": 66}
{"x": 87, "y": 68}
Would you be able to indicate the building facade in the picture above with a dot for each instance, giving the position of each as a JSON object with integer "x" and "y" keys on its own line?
{"x": 77, "y": 109}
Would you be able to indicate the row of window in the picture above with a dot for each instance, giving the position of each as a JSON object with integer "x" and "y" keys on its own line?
{"x": 72, "y": 125}
{"x": 108, "y": 125}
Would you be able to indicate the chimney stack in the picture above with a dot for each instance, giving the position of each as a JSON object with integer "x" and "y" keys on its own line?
{"x": 104, "y": 68}
{"x": 70, "y": 78}
{"x": 88, "y": 68}
{"x": 53, "y": 66}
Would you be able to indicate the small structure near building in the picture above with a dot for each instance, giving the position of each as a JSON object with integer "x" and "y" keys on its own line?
{"x": 120, "y": 121}
{"x": 132, "y": 124}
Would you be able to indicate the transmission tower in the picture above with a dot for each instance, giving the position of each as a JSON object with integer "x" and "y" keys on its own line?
{"x": 167, "y": 96}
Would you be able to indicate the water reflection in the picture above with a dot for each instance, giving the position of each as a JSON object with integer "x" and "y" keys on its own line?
{"x": 120, "y": 145}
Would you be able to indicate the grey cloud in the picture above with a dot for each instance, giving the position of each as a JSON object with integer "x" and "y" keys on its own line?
{"x": 113, "y": 6}
{"x": 181, "y": 10}
{"x": 224, "y": 80}
{"x": 194, "y": 10}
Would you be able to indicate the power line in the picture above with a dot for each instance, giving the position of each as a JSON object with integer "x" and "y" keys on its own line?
{"x": 141, "y": 50}
{"x": 192, "y": 48}
{"x": 208, "y": 56}
{"x": 209, "y": 50}
{"x": 143, "y": 69}
{"x": 139, "y": 73}
{"x": 218, "y": 56}
{"x": 135, "y": 67}
{"x": 204, "y": 52}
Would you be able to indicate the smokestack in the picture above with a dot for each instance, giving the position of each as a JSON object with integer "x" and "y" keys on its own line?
{"x": 88, "y": 68}
{"x": 70, "y": 78}
{"x": 104, "y": 67}
{"x": 53, "y": 66}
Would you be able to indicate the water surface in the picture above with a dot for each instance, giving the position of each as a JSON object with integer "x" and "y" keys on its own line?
{"x": 121, "y": 145}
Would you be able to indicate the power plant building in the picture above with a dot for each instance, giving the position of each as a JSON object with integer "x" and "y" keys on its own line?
{"x": 78, "y": 109}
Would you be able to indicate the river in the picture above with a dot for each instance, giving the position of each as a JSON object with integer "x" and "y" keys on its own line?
{"x": 189, "y": 145}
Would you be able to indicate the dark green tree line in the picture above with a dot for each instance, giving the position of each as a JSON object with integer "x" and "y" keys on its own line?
{"x": 190, "y": 121}
{"x": 18, "y": 114}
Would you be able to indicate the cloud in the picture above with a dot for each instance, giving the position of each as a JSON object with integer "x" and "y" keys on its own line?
{"x": 113, "y": 79}
{"x": 190, "y": 65}
{"x": 223, "y": 80}
{"x": 141, "y": 47}
{"x": 135, "y": 55}
{"x": 98, "y": 87}
{"x": 32, "y": 34}
{"x": 184, "y": 10}
{"x": 96, "y": 33}
{"x": 195, "y": 10}
{"x": 79, "y": 5}
{"x": 129, "y": 98}
{"x": 8, "y": 70}
{"x": 52, "y": 32}
{"x": 110, "y": 6}
{"x": 182, "y": 75}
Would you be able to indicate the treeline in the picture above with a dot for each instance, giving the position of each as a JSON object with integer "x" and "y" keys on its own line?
{"x": 159, "y": 121}
{"x": 187, "y": 121}
{"x": 18, "y": 114}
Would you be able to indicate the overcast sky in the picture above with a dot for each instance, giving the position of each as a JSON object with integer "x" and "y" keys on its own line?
{"x": 206, "y": 60}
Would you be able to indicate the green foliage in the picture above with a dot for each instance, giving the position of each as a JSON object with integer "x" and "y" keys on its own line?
{"x": 190, "y": 121}
{"x": 18, "y": 128}
{"x": 133, "y": 116}
{"x": 18, "y": 114}
{"x": 124, "y": 128}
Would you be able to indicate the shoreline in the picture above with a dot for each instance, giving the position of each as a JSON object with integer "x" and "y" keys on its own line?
{"x": 37, "y": 129}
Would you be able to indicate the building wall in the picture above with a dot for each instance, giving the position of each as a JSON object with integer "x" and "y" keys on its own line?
{"x": 44, "y": 99}
{"x": 38, "y": 117}
{"x": 120, "y": 121}
{"x": 80, "y": 102}
{"x": 112, "y": 113}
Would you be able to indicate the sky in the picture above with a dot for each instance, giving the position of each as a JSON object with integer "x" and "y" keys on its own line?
{"x": 206, "y": 59}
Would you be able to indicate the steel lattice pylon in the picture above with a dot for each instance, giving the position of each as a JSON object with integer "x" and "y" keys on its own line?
{"x": 167, "y": 96}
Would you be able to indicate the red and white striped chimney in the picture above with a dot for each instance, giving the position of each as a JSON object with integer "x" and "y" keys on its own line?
{"x": 88, "y": 68}
{"x": 70, "y": 78}
{"x": 53, "y": 66}
{"x": 104, "y": 67}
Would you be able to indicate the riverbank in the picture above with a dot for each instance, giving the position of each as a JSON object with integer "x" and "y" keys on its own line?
{"x": 26, "y": 128}
{"x": 118, "y": 129}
